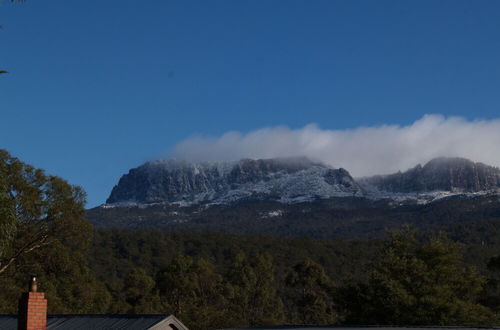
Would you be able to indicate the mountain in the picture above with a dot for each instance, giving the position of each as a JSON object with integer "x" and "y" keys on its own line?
{"x": 293, "y": 180}
{"x": 457, "y": 175}
{"x": 299, "y": 197}
{"x": 185, "y": 183}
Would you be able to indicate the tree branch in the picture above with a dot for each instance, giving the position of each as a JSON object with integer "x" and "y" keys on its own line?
{"x": 26, "y": 249}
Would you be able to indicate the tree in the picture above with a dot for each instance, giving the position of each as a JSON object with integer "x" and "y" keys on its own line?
{"x": 43, "y": 231}
{"x": 255, "y": 300}
{"x": 311, "y": 293}
{"x": 241, "y": 278}
{"x": 36, "y": 211}
{"x": 140, "y": 293}
{"x": 266, "y": 307}
{"x": 263, "y": 304}
{"x": 491, "y": 294}
{"x": 177, "y": 285}
{"x": 415, "y": 283}
{"x": 211, "y": 305}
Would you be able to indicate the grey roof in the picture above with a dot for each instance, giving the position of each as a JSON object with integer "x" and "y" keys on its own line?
{"x": 8, "y": 322}
{"x": 100, "y": 322}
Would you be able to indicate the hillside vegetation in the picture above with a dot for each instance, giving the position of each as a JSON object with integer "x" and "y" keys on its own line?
{"x": 337, "y": 264}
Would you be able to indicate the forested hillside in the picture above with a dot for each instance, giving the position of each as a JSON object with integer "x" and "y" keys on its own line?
{"x": 442, "y": 270}
{"x": 340, "y": 218}
{"x": 209, "y": 279}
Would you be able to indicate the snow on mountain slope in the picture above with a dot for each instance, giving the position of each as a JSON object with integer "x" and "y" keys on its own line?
{"x": 293, "y": 180}
{"x": 440, "y": 174}
{"x": 286, "y": 180}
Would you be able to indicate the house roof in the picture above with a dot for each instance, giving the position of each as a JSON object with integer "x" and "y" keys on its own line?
{"x": 101, "y": 322}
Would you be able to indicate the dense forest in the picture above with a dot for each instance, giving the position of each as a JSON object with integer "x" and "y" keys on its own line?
{"x": 340, "y": 218}
{"x": 439, "y": 275}
{"x": 215, "y": 280}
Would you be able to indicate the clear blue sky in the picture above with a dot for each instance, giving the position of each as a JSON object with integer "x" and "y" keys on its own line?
{"x": 98, "y": 87}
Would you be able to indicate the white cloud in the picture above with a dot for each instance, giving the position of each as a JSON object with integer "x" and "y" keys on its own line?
{"x": 362, "y": 151}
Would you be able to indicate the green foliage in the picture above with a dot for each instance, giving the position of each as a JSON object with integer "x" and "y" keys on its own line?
{"x": 211, "y": 309}
{"x": 37, "y": 211}
{"x": 231, "y": 268}
{"x": 140, "y": 293}
{"x": 43, "y": 231}
{"x": 213, "y": 280}
{"x": 418, "y": 284}
{"x": 194, "y": 291}
{"x": 66, "y": 278}
{"x": 255, "y": 299}
{"x": 490, "y": 296}
{"x": 7, "y": 215}
{"x": 311, "y": 294}
{"x": 177, "y": 285}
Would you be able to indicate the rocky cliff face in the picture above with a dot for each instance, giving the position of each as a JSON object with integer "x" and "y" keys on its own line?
{"x": 441, "y": 174}
{"x": 261, "y": 197}
{"x": 286, "y": 180}
{"x": 295, "y": 180}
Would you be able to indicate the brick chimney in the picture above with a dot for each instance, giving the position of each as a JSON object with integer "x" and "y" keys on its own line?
{"x": 32, "y": 309}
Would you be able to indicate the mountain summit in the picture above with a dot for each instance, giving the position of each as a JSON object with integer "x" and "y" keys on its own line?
{"x": 297, "y": 197}
{"x": 457, "y": 175}
{"x": 185, "y": 183}
{"x": 292, "y": 180}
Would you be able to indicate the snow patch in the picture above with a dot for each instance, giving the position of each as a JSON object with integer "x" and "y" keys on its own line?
{"x": 271, "y": 214}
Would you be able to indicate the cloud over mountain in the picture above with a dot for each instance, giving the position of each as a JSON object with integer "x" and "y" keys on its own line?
{"x": 364, "y": 150}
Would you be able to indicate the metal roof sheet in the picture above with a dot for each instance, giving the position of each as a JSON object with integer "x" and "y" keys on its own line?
{"x": 8, "y": 322}
{"x": 95, "y": 322}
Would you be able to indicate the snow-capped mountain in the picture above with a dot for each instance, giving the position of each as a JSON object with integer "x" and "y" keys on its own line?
{"x": 298, "y": 197}
{"x": 440, "y": 174}
{"x": 283, "y": 179}
{"x": 292, "y": 180}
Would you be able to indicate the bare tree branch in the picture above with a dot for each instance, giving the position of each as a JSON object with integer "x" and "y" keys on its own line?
{"x": 25, "y": 250}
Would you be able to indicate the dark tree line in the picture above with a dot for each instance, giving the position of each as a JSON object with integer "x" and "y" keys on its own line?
{"x": 407, "y": 280}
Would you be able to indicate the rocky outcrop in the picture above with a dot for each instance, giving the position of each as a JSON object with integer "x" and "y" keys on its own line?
{"x": 284, "y": 179}
{"x": 440, "y": 174}
{"x": 291, "y": 180}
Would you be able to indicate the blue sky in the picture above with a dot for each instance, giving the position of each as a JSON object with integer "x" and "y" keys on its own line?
{"x": 95, "y": 88}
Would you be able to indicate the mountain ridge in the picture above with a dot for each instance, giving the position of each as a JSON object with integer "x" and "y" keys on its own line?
{"x": 298, "y": 197}
{"x": 292, "y": 180}
{"x": 288, "y": 179}
{"x": 453, "y": 174}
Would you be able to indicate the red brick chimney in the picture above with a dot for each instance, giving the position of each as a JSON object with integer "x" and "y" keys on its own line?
{"x": 32, "y": 309}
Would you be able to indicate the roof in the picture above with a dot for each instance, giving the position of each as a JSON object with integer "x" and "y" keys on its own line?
{"x": 102, "y": 322}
